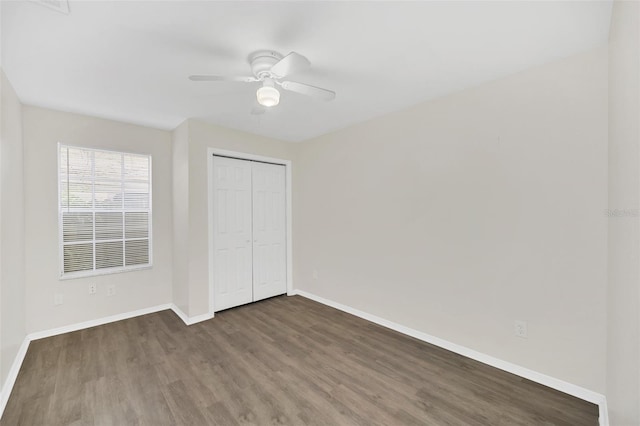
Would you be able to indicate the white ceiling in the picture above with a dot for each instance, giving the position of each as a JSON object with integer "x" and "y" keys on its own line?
{"x": 129, "y": 61}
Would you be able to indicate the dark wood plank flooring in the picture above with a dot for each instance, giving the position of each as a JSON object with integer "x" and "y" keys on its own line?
{"x": 285, "y": 360}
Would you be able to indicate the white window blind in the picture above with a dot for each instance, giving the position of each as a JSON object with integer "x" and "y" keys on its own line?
{"x": 104, "y": 211}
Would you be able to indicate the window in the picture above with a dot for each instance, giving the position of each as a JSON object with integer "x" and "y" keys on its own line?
{"x": 104, "y": 211}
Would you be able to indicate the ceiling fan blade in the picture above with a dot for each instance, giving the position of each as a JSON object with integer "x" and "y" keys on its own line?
{"x": 292, "y": 63}
{"x": 306, "y": 89}
{"x": 241, "y": 79}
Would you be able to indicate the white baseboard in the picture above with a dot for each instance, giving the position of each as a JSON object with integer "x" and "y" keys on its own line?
{"x": 119, "y": 317}
{"x": 100, "y": 321}
{"x": 7, "y": 387}
{"x": 190, "y": 320}
{"x": 543, "y": 379}
{"x": 603, "y": 411}
{"x": 552, "y": 382}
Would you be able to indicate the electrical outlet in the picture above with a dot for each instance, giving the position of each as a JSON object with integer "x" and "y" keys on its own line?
{"x": 521, "y": 329}
{"x": 111, "y": 290}
{"x": 315, "y": 274}
{"x": 93, "y": 288}
{"x": 58, "y": 299}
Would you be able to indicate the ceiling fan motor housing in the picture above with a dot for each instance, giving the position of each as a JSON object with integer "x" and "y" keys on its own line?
{"x": 262, "y": 61}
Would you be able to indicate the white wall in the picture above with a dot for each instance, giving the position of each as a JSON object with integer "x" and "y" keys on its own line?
{"x": 12, "y": 272}
{"x": 201, "y": 136}
{"x": 180, "y": 203}
{"x": 461, "y": 215}
{"x": 43, "y": 129}
{"x": 623, "y": 361}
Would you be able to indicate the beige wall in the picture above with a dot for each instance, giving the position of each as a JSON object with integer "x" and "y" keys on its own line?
{"x": 202, "y": 136}
{"x": 461, "y": 215}
{"x": 623, "y": 363}
{"x": 12, "y": 293}
{"x": 43, "y": 129}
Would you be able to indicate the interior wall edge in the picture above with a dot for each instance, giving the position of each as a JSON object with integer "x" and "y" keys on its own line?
{"x": 186, "y": 319}
{"x": 12, "y": 260}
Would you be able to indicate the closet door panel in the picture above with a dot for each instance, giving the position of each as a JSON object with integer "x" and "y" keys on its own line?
{"x": 232, "y": 258}
{"x": 269, "y": 226}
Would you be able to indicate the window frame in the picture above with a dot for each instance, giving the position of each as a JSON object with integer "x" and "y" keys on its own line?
{"x": 103, "y": 271}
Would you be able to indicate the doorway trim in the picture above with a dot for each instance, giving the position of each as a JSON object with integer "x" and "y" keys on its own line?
{"x": 210, "y": 208}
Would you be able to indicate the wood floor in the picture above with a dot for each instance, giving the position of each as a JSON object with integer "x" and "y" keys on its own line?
{"x": 286, "y": 360}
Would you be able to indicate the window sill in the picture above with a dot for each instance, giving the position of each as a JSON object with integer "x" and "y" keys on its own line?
{"x": 106, "y": 271}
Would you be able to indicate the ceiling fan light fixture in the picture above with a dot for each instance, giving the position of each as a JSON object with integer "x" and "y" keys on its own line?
{"x": 270, "y": 68}
{"x": 268, "y": 96}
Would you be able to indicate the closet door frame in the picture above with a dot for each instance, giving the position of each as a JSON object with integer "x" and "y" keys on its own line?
{"x": 288, "y": 212}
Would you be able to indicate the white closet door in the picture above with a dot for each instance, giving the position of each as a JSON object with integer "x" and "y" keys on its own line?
{"x": 269, "y": 250}
{"x": 232, "y": 240}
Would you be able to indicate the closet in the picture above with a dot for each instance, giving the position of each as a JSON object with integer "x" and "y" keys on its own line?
{"x": 249, "y": 231}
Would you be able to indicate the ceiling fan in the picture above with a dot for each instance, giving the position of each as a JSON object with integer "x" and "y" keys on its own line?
{"x": 269, "y": 68}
